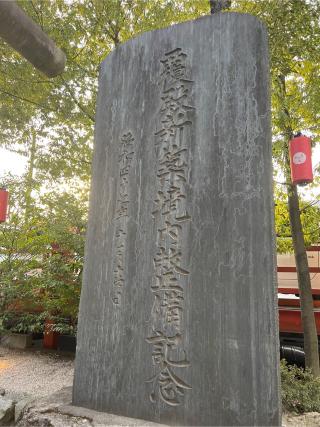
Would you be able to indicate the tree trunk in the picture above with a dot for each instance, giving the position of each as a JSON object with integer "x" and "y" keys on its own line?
{"x": 29, "y": 177}
{"x": 306, "y": 301}
{"x": 218, "y": 5}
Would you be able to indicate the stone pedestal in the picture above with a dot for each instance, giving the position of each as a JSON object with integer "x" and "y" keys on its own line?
{"x": 20, "y": 341}
{"x": 178, "y": 316}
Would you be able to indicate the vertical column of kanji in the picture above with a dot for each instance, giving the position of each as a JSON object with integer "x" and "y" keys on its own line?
{"x": 171, "y": 275}
{"x": 121, "y": 218}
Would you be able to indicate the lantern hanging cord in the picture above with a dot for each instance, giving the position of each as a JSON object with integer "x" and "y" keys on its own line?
{"x": 283, "y": 183}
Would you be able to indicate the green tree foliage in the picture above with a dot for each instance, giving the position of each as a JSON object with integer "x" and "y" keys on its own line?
{"x": 64, "y": 107}
{"x": 41, "y": 258}
{"x": 310, "y": 218}
{"x": 52, "y": 122}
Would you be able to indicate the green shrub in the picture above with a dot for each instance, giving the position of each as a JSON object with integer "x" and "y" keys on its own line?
{"x": 299, "y": 388}
{"x": 24, "y": 323}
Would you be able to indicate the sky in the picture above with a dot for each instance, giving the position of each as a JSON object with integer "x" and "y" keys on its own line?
{"x": 11, "y": 162}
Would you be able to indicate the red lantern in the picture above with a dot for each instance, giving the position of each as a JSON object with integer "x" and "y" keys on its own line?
{"x": 4, "y": 196}
{"x": 300, "y": 160}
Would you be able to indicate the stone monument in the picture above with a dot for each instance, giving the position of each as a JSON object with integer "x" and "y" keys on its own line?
{"x": 178, "y": 317}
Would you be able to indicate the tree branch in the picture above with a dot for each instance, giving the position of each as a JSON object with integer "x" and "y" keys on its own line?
{"x": 25, "y": 100}
{"x": 76, "y": 101}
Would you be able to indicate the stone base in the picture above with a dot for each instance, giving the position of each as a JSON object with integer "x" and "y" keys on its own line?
{"x": 20, "y": 341}
{"x": 55, "y": 411}
{"x": 102, "y": 418}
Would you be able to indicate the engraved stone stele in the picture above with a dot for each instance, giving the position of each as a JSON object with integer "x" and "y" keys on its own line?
{"x": 178, "y": 317}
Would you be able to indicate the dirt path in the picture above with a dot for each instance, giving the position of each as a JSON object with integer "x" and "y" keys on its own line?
{"x": 33, "y": 373}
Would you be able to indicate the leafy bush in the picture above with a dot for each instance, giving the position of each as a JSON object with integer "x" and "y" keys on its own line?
{"x": 25, "y": 323}
{"x": 65, "y": 326}
{"x": 299, "y": 388}
{"x": 41, "y": 261}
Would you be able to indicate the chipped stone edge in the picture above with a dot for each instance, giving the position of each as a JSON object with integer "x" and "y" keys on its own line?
{"x": 104, "y": 418}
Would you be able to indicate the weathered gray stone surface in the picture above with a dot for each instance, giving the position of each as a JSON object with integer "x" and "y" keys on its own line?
{"x": 55, "y": 411}
{"x": 96, "y": 418}
{"x": 178, "y": 317}
{"x": 6, "y": 411}
{"x": 45, "y": 411}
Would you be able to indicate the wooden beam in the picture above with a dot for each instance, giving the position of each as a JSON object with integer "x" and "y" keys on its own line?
{"x": 294, "y": 269}
{"x": 20, "y": 32}
{"x": 315, "y": 248}
{"x": 296, "y": 290}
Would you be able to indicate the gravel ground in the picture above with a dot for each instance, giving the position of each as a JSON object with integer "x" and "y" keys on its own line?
{"x": 33, "y": 373}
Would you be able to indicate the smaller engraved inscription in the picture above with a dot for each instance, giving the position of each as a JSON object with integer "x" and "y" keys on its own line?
{"x": 122, "y": 206}
{"x": 170, "y": 213}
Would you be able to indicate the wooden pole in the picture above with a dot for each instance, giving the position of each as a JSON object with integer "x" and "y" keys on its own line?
{"x": 20, "y": 32}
